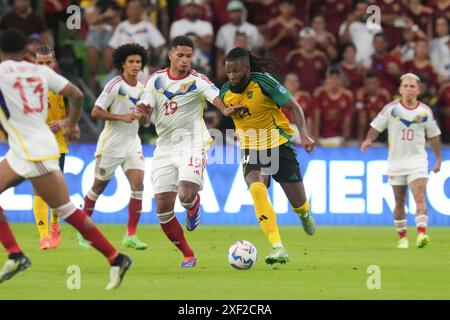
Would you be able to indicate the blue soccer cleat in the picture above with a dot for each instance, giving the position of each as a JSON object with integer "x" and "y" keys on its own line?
{"x": 189, "y": 262}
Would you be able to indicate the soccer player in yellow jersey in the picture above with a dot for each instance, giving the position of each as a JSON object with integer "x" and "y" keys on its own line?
{"x": 264, "y": 136}
{"x": 57, "y": 112}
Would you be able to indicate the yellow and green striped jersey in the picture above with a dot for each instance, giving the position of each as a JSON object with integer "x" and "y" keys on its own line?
{"x": 263, "y": 125}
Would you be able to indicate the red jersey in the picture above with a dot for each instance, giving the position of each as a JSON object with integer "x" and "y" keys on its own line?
{"x": 393, "y": 34}
{"x": 332, "y": 111}
{"x": 310, "y": 68}
{"x": 388, "y": 81}
{"x": 334, "y": 12}
{"x": 287, "y": 44}
{"x": 426, "y": 73}
{"x": 355, "y": 77}
{"x": 260, "y": 14}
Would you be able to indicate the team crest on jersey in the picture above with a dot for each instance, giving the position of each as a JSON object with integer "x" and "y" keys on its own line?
{"x": 420, "y": 118}
{"x": 185, "y": 87}
{"x": 249, "y": 94}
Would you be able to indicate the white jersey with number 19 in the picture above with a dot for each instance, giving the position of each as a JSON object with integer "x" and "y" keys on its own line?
{"x": 23, "y": 108}
{"x": 178, "y": 107}
{"x": 408, "y": 129}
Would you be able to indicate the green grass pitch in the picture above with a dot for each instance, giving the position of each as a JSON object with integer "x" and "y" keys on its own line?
{"x": 330, "y": 265}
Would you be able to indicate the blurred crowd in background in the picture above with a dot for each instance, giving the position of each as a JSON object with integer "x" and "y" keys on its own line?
{"x": 331, "y": 55}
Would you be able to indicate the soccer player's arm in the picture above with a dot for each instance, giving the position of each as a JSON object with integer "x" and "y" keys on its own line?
{"x": 60, "y": 85}
{"x": 104, "y": 101}
{"x": 378, "y": 125}
{"x": 434, "y": 137}
{"x": 283, "y": 98}
{"x": 145, "y": 107}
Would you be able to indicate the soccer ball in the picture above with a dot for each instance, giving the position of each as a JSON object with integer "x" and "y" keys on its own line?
{"x": 242, "y": 255}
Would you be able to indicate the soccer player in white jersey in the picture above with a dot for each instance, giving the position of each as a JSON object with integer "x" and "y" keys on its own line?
{"x": 33, "y": 153}
{"x": 409, "y": 123}
{"x": 176, "y": 98}
{"x": 119, "y": 143}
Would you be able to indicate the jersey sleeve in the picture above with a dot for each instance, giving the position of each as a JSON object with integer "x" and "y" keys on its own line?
{"x": 106, "y": 98}
{"x": 224, "y": 90}
{"x": 148, "y": 97}
{"x": 209, "y": 89}
{"x": 273, "y": 88}
{"x": 431, "y": 128}
{"x": 381, "y": 120}
{"x": 56, "y": 82}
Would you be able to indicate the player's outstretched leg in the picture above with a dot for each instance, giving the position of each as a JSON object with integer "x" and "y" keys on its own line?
{"x": 268, "y": 222}
{"x": 174, "y": 232}
{"x": 89, "y": 204}
{"x": 305, "y": 217}
{"x": 17, "y": 261}
{"x": 55, "y": 230}
{"x": 134, "y": 213}
{"x": 119, "y": 262}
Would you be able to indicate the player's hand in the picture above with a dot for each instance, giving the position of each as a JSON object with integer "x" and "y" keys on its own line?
{"x": 308, "y": 143}
{"x": 365, "y": 145}
{"x": 129, "y": 117}
{"x": 229, "y": 111}
{"x": 56, "y": 125}
{"x": 72, "y": 132}
{"x": 437, "y": 166}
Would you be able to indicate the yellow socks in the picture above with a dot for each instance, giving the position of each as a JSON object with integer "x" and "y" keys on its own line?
{"x": 54, "y": 219}
{"x": 40, "y": 210}
{"x": 265, "y": 213}
{"x": 303, "y": 211}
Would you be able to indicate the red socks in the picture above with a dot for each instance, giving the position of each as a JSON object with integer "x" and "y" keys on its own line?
{"x": 93, "y": 235}
{"x": 134, "y": 214}
{"x": 6, "y": 235}
{"x": 174, "y": 232}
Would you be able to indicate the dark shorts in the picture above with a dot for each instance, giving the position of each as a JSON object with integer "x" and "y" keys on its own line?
{"x": 280, "y": 163}
{"x": 62, "y": 160}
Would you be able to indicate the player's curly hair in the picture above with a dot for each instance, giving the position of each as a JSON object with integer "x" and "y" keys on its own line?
{"x": 121, "y": 54}
{"x": 257, "y": 64}
{"x": 12, "y": 41}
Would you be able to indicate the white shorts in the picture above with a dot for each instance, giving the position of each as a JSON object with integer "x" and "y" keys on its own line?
{"x": 406, "y": 179}
{"x": 31, "y": 169}
{"x": 106, "y": 165}
{"x": 170, "y": 166}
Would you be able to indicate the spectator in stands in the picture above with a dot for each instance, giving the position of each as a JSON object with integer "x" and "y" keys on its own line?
{"x": 407, "y": 48}
{"x": 200, "y": 61}
{"x": 102, "y": 20}
{"x": 393, "y": 18}
{"x": 333, "y": 11}
{"x": 33, "y": 42}
{"x": 225, "y": 39}
{"x": 370, "y": 99}
{"x": 55, "y": 14}
{"x": 356, "y": 31}
{"x": 292, "y": 84}
{"x": 137, "y": 30}
{"x": 326, "y": 41}
{"x": 260, "y": 12}
{"x": 439, "y": 7}
{"x": 23, "y": 19}
{"x": 159, "y": 15}
{"x": 353, "y": 73}
{"x": 307, "y": 61}
{"x": 241, "y": 40}
{"x": 192, "y": 23}
{"x": 444, "y": 110}
{"x": 421, "y": 16}
{"x": 422, "y": 67}
{"x": 388, "y": 66}
{"x": 221, "y": 16}
{"x": 440, "y": 50}
{"x": 282, "y": 32}
{"x": 333, "y": 111}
